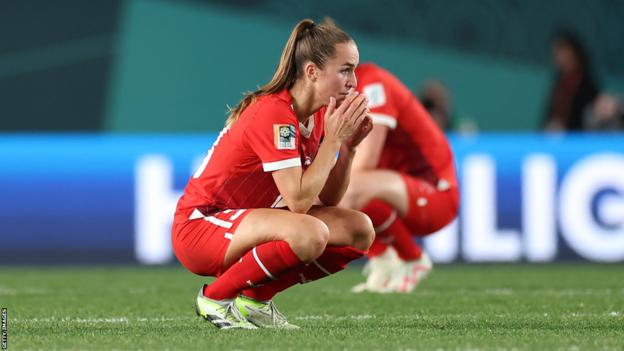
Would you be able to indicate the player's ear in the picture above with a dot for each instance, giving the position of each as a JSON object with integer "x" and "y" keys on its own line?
{"x": 311, "y": 71}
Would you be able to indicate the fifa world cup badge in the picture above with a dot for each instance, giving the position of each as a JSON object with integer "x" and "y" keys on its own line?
{"x": 284, "y": 135}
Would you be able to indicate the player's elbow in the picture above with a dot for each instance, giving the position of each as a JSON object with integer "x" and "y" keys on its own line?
{"x": 330, "y": 200}
{"x": 300, "y": 208}
{"x": 301, "y": 205}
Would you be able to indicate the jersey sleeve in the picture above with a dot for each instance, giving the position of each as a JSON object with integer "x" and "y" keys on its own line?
{"x": 274, "y": 138}
{"x": 382, "y": 107}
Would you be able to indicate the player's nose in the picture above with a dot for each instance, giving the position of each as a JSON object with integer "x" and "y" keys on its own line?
{"x": 352, "y": 81}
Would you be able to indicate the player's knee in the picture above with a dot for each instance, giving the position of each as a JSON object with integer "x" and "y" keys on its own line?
{"x": 452, "y": 207}
{"x": 309, "y": 238}
{"x": 448, "y": 213}
{"x": 363, "y": 231}
{"x": 318, "y": 236}
{"x": 454, "y": 204}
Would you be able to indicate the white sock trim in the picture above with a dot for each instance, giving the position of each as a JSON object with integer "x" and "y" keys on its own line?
{"x": 385, "y": 225}
{"x": 264, "y": 269}
{"x": 321, "y": 268}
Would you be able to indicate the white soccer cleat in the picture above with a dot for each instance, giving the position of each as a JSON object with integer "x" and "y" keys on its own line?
{"x": 379, "y": 271}
{"x": 410, "y": 273}
{"x": 222, "y": 314}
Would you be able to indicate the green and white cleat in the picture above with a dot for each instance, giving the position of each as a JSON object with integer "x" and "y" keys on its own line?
{"x": 223, "y": 314}
{"x": 262, "y": 314}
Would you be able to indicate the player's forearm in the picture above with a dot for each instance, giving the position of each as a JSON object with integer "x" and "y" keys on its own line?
{"x": 339, "y": 177}
{"x": 315, "y": 177}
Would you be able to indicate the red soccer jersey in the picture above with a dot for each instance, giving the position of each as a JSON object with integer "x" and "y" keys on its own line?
{"x": 414, "y": 144}
{"x": 236, "y": 172}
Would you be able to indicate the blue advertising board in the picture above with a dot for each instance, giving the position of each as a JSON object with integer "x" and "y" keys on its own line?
{"x": 110, "y": 198}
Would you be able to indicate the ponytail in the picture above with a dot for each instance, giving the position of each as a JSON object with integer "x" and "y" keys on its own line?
{"x": 307, "y": 42}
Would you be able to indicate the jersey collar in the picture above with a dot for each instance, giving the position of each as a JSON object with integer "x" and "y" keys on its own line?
{"x": 285, "y": 95}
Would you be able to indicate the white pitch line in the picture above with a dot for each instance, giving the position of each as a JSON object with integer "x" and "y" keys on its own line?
{"x": 327, "y": 317}
{"x": 458, "y": 316}
{"x": 335, "y": 318}
{"x": 534, "y": 292}
{"x": 99, "y": 320}
{"x": 499, "y": 292}
{"x": 5, "y": 290}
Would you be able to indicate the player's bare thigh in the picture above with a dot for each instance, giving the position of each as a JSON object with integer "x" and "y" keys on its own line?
{"x": 381, "y": 184}
{"x": 306, "y": 235}
{"x": 346, "y": 226}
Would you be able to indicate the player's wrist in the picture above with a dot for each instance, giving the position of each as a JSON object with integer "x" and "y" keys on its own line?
{"x": 332, "y": 142}
{"x": 348, "y": 149}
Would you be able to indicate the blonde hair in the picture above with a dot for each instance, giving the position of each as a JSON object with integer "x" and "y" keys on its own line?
{"x": 308, "y": 42}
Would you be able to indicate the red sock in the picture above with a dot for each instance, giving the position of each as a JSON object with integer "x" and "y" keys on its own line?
{"x": 333, "y": 259}
{"x": 378, "y": 247}
{"x": 390, "y": 229}
{"x": 403, "y": 243}
{"x": 264, "y": 262}
{"x": 379, "y": 213}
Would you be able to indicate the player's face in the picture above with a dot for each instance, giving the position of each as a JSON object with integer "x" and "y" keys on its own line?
{"x": 338, "y": 74}
{"x": 564, "y": 57}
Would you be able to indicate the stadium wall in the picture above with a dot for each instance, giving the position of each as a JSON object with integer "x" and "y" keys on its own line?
{"x": 178, "y": 64}
{"x": 165, "y": 65}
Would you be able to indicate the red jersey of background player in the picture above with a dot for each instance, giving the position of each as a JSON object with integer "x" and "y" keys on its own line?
{"x": 414, "y": 143}
{"x": 236, "y": 172}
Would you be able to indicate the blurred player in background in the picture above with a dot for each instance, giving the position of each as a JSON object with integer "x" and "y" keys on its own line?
{"x": 574, "y": 87}
{"x": 436, "y": 99}
{"x": 230, "y": 222}
{"x": 403, "y": 178}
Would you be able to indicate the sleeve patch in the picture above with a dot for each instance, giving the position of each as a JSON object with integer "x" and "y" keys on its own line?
{"x": 285, "y": 135}
{"x": 376, "y": 95}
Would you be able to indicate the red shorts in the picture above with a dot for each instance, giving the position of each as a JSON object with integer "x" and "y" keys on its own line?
{"x": 431, "y": 207}
{"x": 200, "y": 243}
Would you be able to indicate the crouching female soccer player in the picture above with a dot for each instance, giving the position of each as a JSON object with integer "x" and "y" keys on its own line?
{"x": 279, "y": 146}
{"x": 403, "y": 179}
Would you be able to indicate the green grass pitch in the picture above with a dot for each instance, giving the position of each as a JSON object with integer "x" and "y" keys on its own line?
{"x": 460, "y": 307}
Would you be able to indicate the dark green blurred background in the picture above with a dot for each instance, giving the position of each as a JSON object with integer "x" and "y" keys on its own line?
{"x": 148, "y": 65}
